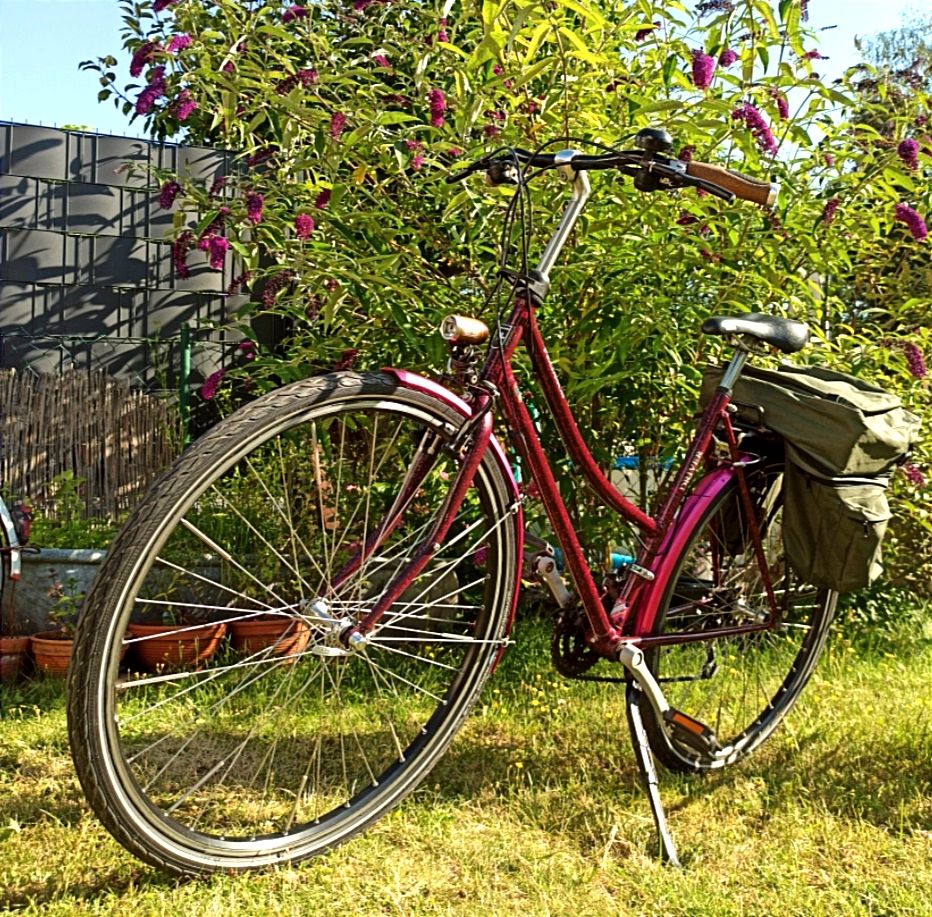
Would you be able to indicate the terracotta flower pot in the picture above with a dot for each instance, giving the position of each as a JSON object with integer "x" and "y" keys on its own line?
{"x": 12, "y": 656}
{"x": 174, "y": 646}
{"x": 288, "y": 636}
{"x": 51, "y": 650}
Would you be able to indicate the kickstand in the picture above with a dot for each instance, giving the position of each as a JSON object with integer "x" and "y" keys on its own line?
{"x": 645, "y": 759}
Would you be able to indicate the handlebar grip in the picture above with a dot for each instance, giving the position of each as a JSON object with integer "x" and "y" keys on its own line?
{"x": 748, "y": 189}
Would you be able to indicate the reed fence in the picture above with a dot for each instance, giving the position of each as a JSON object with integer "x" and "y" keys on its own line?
{"x": 112, "y": 437}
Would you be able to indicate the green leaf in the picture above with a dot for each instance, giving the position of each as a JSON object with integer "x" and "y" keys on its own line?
{"x": 537, "y": 39}
{"x": 587, "y": 12}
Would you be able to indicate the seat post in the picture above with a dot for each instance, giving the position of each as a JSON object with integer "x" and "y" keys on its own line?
{"x": 733, "y": 369}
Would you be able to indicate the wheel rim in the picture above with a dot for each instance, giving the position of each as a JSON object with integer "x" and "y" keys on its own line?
{"x": 249, "y": 754}
{"x": 742, "y": 686}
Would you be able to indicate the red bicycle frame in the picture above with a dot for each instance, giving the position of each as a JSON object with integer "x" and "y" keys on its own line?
{"x": 632, "y": 618}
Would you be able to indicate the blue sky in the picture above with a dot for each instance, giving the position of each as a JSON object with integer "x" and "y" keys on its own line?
{"x": 43, "y": 41}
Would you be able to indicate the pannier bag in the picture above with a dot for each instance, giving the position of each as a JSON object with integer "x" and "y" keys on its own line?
{"x": 843, "y": 438}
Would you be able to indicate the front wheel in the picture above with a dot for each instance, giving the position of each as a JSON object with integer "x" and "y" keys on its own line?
{"x": 256, "y": 748}
{"x": 741, "y": 687}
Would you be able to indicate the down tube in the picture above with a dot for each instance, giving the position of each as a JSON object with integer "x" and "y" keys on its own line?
{"x": 674, "y": 543}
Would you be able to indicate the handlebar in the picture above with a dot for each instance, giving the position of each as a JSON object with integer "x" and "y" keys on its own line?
{"x": 650, "y": 172}
{"x": 749, "y": 189}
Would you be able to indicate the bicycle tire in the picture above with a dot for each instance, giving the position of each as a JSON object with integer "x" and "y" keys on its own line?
{"x": 743, "y": 686}
{"x": 273, "y": 754}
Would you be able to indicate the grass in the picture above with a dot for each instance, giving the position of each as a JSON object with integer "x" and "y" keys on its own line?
{"x": 536, "y": 810}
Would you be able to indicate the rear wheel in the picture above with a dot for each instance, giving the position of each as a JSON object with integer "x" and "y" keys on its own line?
{"x": 276, "y": 748}
{"x": 741, "y": 687}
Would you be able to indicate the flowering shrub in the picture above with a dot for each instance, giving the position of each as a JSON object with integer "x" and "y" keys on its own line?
{"x": 356, "y": 113}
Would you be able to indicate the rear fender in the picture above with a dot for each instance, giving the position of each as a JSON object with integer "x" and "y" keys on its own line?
{"x": 675, "y": 542}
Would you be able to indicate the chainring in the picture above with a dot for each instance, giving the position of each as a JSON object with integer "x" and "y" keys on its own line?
{"x": 571, "y": 654}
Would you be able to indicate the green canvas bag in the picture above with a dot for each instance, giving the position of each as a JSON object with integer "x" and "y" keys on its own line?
{"x": 843, "y": 436}
{"x": 837, "y": 423}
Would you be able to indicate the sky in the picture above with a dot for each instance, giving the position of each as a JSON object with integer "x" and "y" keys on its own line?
{"x": 43, "y": 41}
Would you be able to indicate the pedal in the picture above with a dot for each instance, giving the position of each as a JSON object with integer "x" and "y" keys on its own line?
{"x": 686, "y": 730}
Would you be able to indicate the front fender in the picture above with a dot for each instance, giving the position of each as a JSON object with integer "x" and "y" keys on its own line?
{"x": 417, "y": 383}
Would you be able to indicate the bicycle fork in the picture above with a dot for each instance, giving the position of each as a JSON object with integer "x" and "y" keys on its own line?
{"x": 472, "y": 442}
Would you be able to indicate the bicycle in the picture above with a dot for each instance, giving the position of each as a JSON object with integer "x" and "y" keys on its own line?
{"x": 376, "y": 517}
{"x": 15, "y": 523}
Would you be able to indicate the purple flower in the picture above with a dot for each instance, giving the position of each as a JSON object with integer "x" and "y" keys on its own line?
{"x": 382, "y": 61}
{"x": 142, "y": 56}
{"x": 908, "y": 151}
{"x": 209, "y": 388}
{"x": 686, "y": 154}
{"x": 261, "y": 156}
{"x": 155, "y": 90}
{"x": 306, "y": 78}
{"x": 913, "y": 474}
{"x": 216, "y": 186}
{"x": 170, "y": 190}
{"x": 337, "y": 124}
{"x": 273, "y": 285}
{"x": 715, "y": 6}
{"x": 783, "y": 107}
{"x": 217, "y": 250}
{"x": 303, "y": 225}
{"x": 228, "y": 67}
{"x": 755, "y": 122}
{"x": 498, "y": 69}
{"x": 413, "y": 145}
{"x": 438, "y": 105}
{"x": 914, "y": 222}
{"x": 813, "y": 55}
{"x": 184, "y": 105}
{"x": 804, "y": 10}
{"x": 829, "y": 160}
{"x": 179, "y": 42}
{"x": 247, "y": 349}
{"x": 442, "y": 31}
{"x": 915, "y": 360}
{"x": 214, "y": 228}
{"x": 294, "y": 12}
{"x": 455, "y": 151}
{"x": 237, "y": 282}
{"x": 180, "y": 248}
{"x": 727, "y": 57}
{"x": 160, "y": 5}
{"x": 702, "y": 70}
{"x": 641, "y": 34}
{"x": 828, "y": 212}
{"x": 254, "y": 202}
{"x": 347, "y": 359}
{"x": 490, "y": 130}
{"x": 322, "y": 199}
{"x": 686, "y": 219}
{"x": 417, "y": 161}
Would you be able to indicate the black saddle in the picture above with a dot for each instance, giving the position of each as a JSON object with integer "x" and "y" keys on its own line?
{"x": 786, "y": 334}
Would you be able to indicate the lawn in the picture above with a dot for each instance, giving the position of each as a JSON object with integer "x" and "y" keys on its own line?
{"x": 536, "y": 810}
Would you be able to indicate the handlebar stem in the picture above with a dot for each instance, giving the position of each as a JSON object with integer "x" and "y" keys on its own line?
{"x": 574, "y": 206}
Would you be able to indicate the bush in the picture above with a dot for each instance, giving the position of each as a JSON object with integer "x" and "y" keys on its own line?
{"x": 349, "y": 119}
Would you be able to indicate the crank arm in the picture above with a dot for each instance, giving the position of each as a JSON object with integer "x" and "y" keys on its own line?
{"x": 680, "y": 726}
